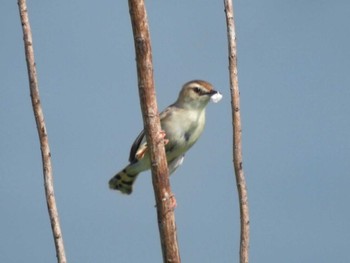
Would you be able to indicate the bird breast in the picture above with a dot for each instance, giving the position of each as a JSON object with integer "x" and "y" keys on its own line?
{"x": 182, "y": 128}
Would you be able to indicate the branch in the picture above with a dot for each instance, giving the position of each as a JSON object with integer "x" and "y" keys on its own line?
{"x": 40, "y": 123}
{"x": 237, "y": 133}
{"x": 160, "y": 173}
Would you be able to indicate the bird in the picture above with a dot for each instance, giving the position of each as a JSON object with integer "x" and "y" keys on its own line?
{"x": 182, "y": 123}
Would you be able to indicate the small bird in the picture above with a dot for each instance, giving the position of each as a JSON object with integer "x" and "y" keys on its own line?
{"x": 182, "y": 124}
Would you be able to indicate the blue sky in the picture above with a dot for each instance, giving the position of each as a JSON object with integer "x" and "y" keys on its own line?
{"x": 294, "y": 61}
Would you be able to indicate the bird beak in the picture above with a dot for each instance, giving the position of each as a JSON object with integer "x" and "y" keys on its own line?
{"x": 212, "y": 92}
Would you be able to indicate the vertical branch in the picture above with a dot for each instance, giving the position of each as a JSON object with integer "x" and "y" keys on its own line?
{"x": 40, "y": 123}
{"x": 237, "y": 134}
{"x": 160, "y": 173}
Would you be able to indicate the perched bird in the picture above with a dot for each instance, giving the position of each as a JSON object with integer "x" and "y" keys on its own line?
{"x": 182, "y": 124}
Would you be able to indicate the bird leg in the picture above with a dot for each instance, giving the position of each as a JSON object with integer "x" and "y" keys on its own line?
{"x": 142, "y": 150}
{"x": 161, "y": 136}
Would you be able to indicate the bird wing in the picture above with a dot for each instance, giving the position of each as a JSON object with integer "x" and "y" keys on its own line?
{"x": 138, "y": 148}
{"x": 166, "y": 113}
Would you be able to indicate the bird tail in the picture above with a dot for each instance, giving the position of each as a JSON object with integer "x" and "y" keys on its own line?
{"x": 123, "y": 181}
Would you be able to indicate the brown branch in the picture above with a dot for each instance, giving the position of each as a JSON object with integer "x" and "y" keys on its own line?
{"x": 237, "y": 133}
{"x": 40, "y": 123}
{"x": 160, "y": 173}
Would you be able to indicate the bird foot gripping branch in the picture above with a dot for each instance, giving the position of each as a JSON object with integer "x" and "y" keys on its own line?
{"x": 161, "y": 136}
{"x": 142, "y": 150}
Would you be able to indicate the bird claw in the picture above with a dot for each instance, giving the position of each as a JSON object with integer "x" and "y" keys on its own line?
{"x": 161, "y": 136}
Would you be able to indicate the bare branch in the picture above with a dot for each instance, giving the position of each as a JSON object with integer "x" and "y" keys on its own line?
{"x": 160, "y": 173}
{"x": 44, "y": 142}
{"x": 237, "y": 133}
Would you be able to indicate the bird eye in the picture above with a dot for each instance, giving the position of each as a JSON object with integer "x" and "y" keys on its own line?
{"x": 197, "y": 90}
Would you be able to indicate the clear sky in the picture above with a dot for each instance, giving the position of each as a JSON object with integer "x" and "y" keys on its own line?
{"x": 294, "y": 61}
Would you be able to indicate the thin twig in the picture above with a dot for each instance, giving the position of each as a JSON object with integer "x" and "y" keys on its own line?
{"x": 160, "y": 178}
{"x": 40, "y": 123}
{"x": 237, "y": 134}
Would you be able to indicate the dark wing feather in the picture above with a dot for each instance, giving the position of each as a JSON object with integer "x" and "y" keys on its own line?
{"x": 135, "y": 146}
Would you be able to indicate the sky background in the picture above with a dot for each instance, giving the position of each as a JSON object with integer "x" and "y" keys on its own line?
{"x": 293, "y": 59}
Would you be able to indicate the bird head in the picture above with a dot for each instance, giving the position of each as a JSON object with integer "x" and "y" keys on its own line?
{"x": 196, "y": 94}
